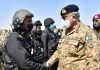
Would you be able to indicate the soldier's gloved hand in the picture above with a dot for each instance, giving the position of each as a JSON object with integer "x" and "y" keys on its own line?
{"x": 46, "y": 66}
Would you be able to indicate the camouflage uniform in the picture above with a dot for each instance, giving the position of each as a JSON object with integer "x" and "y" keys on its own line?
{"x": 72, "y": 49}
{"x": 98, "y": 44}
{"x": 94, "y": 58}
{"x": 93, "y": 54}
{"x": 97, "y": 34}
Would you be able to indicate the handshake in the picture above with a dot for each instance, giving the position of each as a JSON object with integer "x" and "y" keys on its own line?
{"x": 46, "y": 66}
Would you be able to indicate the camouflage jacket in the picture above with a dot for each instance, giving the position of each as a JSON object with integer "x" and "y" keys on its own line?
{"x": 72, "y": 49}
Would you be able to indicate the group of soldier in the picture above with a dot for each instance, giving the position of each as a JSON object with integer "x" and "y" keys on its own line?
{"x": 76, "y": 47}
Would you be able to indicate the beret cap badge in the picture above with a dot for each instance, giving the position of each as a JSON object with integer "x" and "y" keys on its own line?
{"x": 63, "y": 11}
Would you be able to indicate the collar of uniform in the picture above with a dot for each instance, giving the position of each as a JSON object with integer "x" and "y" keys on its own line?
{"x": 74, "y": 29}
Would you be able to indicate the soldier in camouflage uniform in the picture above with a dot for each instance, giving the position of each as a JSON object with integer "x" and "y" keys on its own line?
{"x": 72, "y": 51}
{"x": 94, "y": 57}
{"x": 96, "y": 49}
{"x": 96, "y": 25}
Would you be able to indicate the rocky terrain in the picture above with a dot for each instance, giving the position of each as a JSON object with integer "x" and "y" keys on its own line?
{"x": 3, "y": 34}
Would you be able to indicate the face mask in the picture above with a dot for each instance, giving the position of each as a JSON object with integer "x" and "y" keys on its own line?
{"x": 29, "y": 27}
{"x": 65, "y": 24}
{"x": 52, "y": 26}
{"x": 96, "y": 26}
{"x": 26, "y": 32}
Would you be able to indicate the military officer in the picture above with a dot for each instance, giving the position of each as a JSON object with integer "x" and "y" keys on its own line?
{"x": 72, "y": 51}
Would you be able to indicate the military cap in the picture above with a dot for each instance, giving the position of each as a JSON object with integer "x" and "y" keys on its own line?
{"x": 48, "y": 21}
{"x": 69, "y": 9}
{"x": 97, "y": 16}
{"x": 38, "y": 23}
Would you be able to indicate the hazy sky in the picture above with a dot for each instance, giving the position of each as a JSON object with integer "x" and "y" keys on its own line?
{"x": 47, "y": 8}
